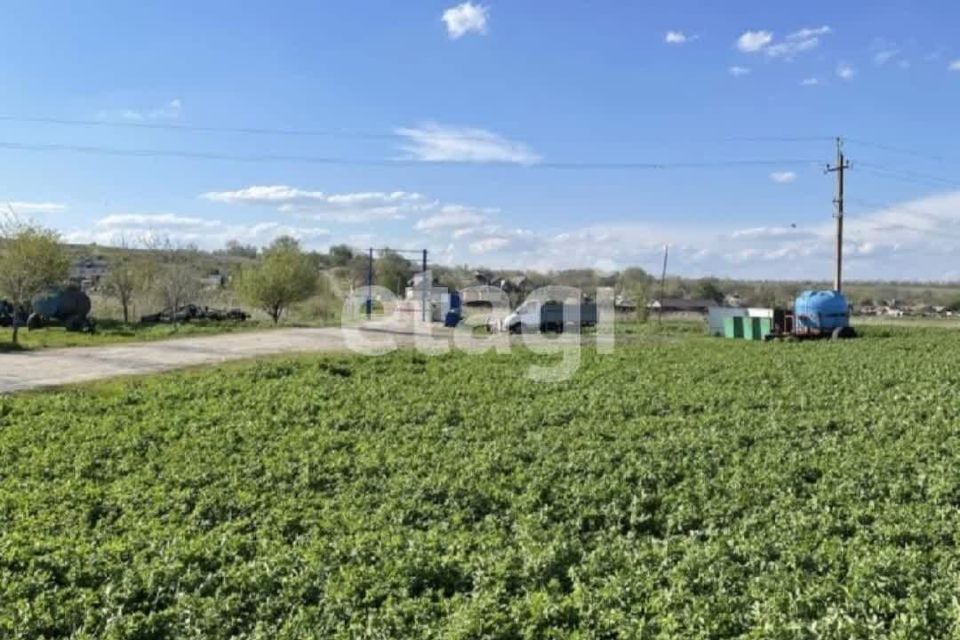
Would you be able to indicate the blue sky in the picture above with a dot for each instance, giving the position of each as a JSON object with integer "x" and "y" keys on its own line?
{"x": 491, "y": 133}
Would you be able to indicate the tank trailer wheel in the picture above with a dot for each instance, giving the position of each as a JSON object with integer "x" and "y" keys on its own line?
{"x": 843, "y": 333}
{"x": 34, "y": 321}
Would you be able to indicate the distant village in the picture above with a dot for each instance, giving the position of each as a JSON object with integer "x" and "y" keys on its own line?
{"x": 87, "y": 272}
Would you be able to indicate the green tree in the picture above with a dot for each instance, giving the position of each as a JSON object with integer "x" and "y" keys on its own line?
{"x": 392, "y": 271}
{"x": 340, "y": 255}
{"x": 31, "y": 260}
{"x": 284, "y": 275}
{"x": 709, "y": 289}
{"x": 237, "y": 249}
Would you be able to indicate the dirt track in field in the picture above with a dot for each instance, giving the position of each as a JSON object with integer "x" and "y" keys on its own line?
{"x": 55, "y": 367}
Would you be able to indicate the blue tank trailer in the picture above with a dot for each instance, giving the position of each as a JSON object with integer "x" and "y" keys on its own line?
{"x": 816, "y": 314}
{"x": 68, "y": 307}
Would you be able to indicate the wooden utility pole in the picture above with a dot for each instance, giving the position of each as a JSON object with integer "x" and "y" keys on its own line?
{"x": 370, "y": 284}
{"x": 424, "y": 285}
{"x": 663, "y": 283}
{"x": 841, "y": 166}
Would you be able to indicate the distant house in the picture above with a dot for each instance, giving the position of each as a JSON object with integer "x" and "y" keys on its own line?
{"x": 733, "y": 300}
{"x": 214, "y": 280}
{"x": 512, "y": 284}
{"x": 87, "y": 272}
{"x": 482, "y": 278}
{"x": 681, "y": 305}
{"x": 623, "y": 304}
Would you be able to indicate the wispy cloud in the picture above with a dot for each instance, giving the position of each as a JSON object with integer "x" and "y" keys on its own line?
{"x": 884, "y": 56}
{"x": 915, "y": 239}
{"x": 810, "y": 82}
{"x": 169, "y": 111}
{"x": 466, "y": 18}
{"x": 155, "y": 220}
{"x": 452, "y": 216}
{"x": 810, "y": 32}
{"x": 335, "y": 207}
{"x": 845, "y": 71}
{"x": 505, "y": 241}
{"x": 783, "y": 177}
{"x": 678, "y": 37}
{"x": 753, "y": 41}
{"x": 31, "y": 208}
{"x": 122, "y": 228}
{"x": 737, "y": 72}
{"x": 433, "y": 142}
{"x": 954, "y": 66}
{"x": 797, "y": 42}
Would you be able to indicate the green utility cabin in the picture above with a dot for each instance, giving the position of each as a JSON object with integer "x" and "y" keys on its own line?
{"x": 746, "y": 328}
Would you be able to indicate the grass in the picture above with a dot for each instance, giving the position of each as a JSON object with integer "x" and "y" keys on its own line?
{"x": 683, "y": 488}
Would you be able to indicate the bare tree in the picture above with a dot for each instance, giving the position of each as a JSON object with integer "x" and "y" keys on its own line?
{"x": 31, "y": 260}
{"x": 176, "y": 284}
{"x": 173, "y": 277}
{"x": 127, "y": 276}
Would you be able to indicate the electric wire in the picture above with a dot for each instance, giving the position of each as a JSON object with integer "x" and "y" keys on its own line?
{"x": 333, "y": 160}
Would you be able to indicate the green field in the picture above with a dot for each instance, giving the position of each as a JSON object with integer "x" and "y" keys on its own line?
{"x": 683, "y": 487}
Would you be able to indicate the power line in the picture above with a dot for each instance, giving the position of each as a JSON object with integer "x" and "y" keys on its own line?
{"x": 904, "y": 175}
{"x": 289, "y": 131}
{"x": 333, "y": 160}
{"x": 902, "y": 151}
{"x": 782, "y": 138}
{"x": 169, "y": 126}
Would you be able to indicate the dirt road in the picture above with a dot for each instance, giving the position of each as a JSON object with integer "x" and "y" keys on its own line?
{"x": 55, "y": 367}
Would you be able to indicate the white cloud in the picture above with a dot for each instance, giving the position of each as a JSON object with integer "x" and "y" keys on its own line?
{"x": 125, "y": 228}
{"x": 155, "y": 220}
{"x": 783, "y": 177}
{"x": 810, "y": 32}
{"x": 752, "y": 41}
{"x": 451, "y": 217}
{"x": 790, "y": 48}
{"x": 466, "y": 18}
{"x": 494, "y": 239}
{"x": 335, "y": 207}
{"x": 797, "y": 42}
{"x": 441, "y": 143}
{"x": 954, "y": 66}
{"x": 845, "y": 71}
{"x": 489, "y": 244}
{"x": 810, "y": 82}
{"x": 884, "y": 56}
{"x": 678, "y": 37}
{"x": 917, "y": 239}
{"x": 737, "y": 72}
{"x": 30, "y": 208}
{"x": 756, "y": 233}
{"x": 168, "y": 111}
